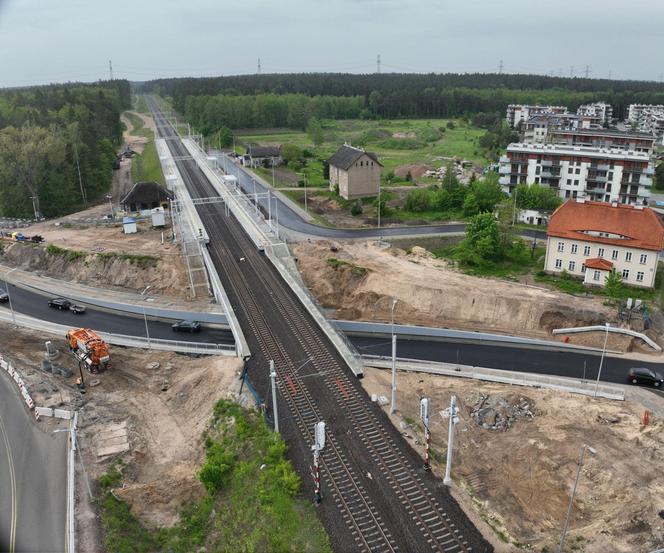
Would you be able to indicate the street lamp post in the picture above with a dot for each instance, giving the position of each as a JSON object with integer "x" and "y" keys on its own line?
{"x": 379, "y": 205}
{"x": 273, "y": 381}
{"x": 393, "y": 406}
{"x": 601, "y": 361}
{"x": 584, "y": 447}
{"x": 145, "y": 317}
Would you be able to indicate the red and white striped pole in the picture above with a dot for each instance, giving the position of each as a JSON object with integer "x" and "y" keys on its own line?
{"x": 317, "y": 476}
{"x": 424, "y": 417}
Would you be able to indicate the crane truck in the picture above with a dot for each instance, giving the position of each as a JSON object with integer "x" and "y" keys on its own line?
{"x": 89, "y": 348}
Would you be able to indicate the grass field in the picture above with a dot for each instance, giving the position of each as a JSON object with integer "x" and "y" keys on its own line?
{"x": 397, "y": 142}
{"x": 146, "y": 166}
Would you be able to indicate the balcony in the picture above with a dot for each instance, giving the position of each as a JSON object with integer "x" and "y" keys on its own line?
{"x": 504, "y": 159}
{"x": 603, "y": 167}
{"x": 504, "y": 181}
{"x": 596, "y": 178}
{"x": 504, "y": 170}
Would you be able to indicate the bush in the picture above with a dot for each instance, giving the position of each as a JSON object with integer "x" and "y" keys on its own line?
{"x": 356, "y": 209}
{"x": 418, "y": 200}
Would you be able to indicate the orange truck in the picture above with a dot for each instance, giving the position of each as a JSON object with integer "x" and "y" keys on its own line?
{"x": 88, "y": 347}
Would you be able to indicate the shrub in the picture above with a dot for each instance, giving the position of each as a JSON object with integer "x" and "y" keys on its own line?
{"x": 356, "y": 209}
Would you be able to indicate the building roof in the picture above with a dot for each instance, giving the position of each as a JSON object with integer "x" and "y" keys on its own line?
{"x": 599, "y": 263}
{"x": 579, "y": 151}
{"x": 264, "y": 151}
{"x": 146, "y": 191}
{"x": 620, "y": 225}
{"x": 606, "y": 132}
{"x": 347, "y": 155}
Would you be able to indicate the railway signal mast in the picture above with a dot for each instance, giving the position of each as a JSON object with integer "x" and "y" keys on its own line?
{"x": 319, "y": 436}
{"x": 454, "y": 419}
{"x": 424, "y": 417}
{"x": 273, "y": 380}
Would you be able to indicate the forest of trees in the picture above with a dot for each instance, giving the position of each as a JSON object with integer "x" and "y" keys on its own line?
{"x": 396, "y": 95}
{"x": 47, "y": 134}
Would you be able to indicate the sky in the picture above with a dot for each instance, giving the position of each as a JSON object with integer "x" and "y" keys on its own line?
{"x": 43, "y": 41}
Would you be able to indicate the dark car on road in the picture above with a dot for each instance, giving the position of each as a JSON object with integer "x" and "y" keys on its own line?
{"x": 59, "y": 303}
{"x": 186, "y": 326}
{"x": 4, "y": 297}
{"x": 645, "y": 376}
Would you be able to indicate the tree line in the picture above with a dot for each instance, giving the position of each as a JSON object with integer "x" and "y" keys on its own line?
{"x": 57, "y": 146}
{"x": 396, "y": 95}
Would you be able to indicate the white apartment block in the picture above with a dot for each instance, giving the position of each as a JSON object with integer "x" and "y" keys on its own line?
{"x": 647, "y": 118}
{"x": 520, "y": 113}
{"x": 596, "y": 114}
{"x": 603, "y": 138}
{"x": 538, "y": 128}
{"x": 598, "y": 174}
{"x": 588, "y": 240}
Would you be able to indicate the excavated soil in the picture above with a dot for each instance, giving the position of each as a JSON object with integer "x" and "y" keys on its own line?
{"x": 518, "y": 481}
{"x": 430, "y": 293}
{"x": 101, "y": 262}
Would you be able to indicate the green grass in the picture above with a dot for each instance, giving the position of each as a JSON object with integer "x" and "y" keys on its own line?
{"x": 70, "y": 255}
{"x": 143, "y": 261}
{"x": 145, "y": 166}
{"x": 340, "y": 264}
{"x": 253, "y": 502}
{"x": 573, "y": 285}
{"x": 377, "y": 136}
{"x": 517, "y": 262}
{"x": 141, "y": 105}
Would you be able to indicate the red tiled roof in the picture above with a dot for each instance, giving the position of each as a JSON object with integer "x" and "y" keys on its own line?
{"x": 642, "y": 228}
{"x": 599, "y": 263}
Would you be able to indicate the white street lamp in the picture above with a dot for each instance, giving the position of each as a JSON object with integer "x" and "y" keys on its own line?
{"x": 454, "y": 420}
{"x": 393, "y": 406}
{"x": 145, "y": 317}
{"x": 601, "y": 361}
{"x": 9, "y": 295}
{"x": 571, "y": 499}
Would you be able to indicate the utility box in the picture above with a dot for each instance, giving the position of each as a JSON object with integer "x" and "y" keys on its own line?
{"x": 129, "y": 225}
{"x": 158, "y": 217}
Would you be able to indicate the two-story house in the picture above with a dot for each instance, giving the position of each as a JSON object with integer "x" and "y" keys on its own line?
{"x": 588, "y": 240}
{"x": 355, "y": 172}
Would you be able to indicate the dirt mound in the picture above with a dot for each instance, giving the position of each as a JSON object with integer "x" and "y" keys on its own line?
{"x": 516, "y": 484}
{"x": 431, "y": 294}
{"x": 164, "y": 274}
{"x": 416, "y": 170}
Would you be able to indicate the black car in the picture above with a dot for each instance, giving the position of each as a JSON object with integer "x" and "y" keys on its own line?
{"x": 645, "y": 376}
{"x": 4, "y": 297}
{"x": 186, "y": 326}
{"x": 59, "y": 303}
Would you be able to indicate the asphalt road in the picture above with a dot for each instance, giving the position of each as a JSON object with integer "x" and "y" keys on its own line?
{"x": 33, "y": 478}
{"x": 558, "y": 363}
{"x": 292, "y": 220}
{"x": 36, "y": 305}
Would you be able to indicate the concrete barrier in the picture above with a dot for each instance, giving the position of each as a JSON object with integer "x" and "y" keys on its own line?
{"x": 16, "y": 377}
{"x": 612, "y": 329}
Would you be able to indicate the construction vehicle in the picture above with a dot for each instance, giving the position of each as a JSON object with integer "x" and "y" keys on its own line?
{"x": 89, "y": 348}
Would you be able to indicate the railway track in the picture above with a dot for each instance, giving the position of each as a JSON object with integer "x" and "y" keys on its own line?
{"x": 382, "y": 500}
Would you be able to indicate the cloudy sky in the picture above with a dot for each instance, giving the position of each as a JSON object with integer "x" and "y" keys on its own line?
{"x": 45, "y": 41}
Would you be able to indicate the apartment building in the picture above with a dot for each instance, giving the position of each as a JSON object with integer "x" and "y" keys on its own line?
{"x": 599, "y": 174}
{"x": 647, "y": 118}
{"x": 599, "y": 114}
{"x": 520, "y": 113}
{"x": 603, "y": 138}
{"x": 588, "y": 240}
{"x": 536, "y": 130}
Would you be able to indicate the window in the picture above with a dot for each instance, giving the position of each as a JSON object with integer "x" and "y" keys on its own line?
{"x": 610, "y": 175}
{"x": 583, "y": 267}
{"x": 567, "y": 193}
{"x": 561, "y": 246}
{"x": 625, "y": 274}
{"x": 537, "y": 181}
{"x": 372, "y": 163}
{"x": 574, "y": 248}
{"x": 570, "y": 171}
{"x": 639, "y": 277}
{"x": 628, "y": 256}
{"x": 361, "y": 163}
{"x": 586, "y": 250}
{"x": 569, "y": 181}
{"x": 643, "y": 259}
{"x": 578, "y": 171}
{"x": 571, "y": 266}
{"x": 559, "y": 263}
{"x": 596, "y": 275}
{"x": 600, "y": 252}
{"x": 614, "y": 254}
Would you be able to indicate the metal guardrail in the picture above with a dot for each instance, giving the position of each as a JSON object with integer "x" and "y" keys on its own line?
{"x": 515, "y": 378}
{"x": 202, "y": 348}
{"x": 279, "y": 255}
